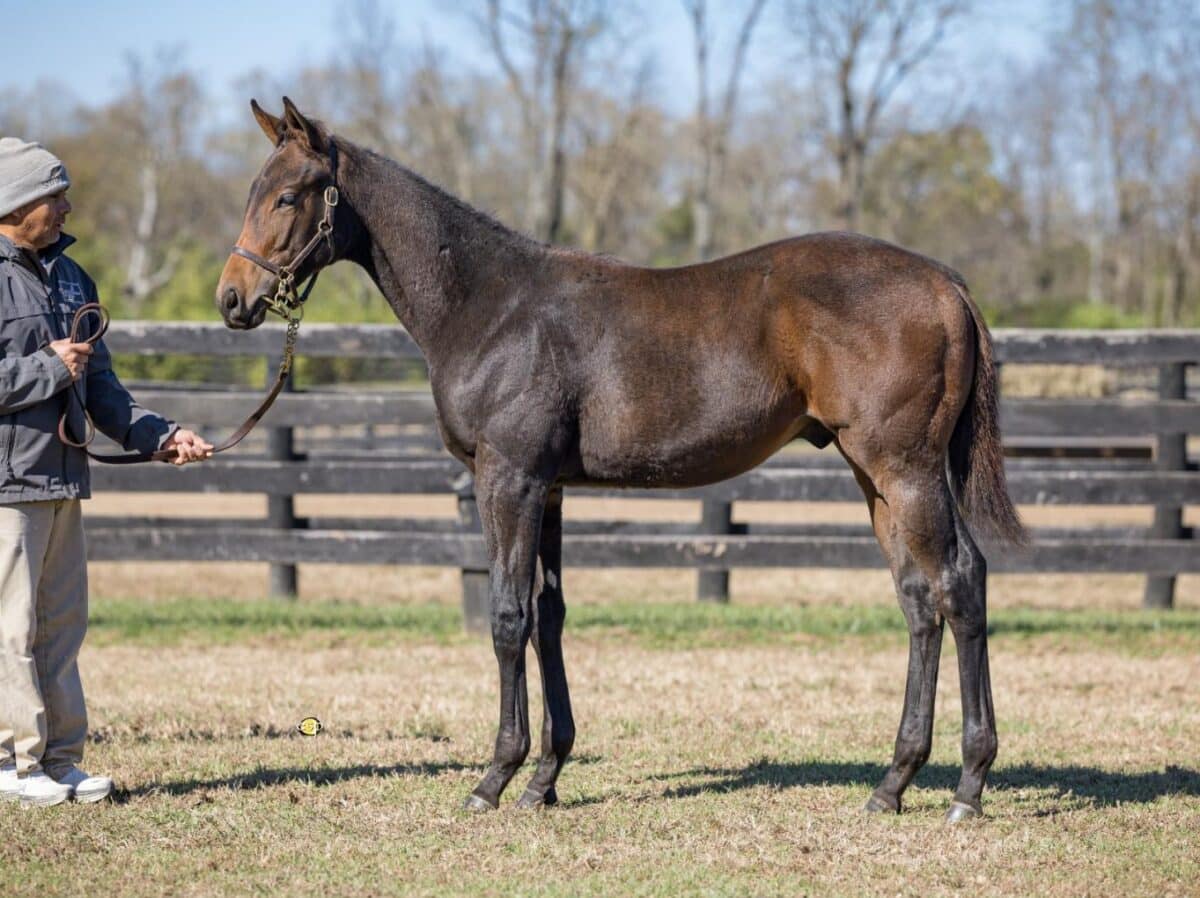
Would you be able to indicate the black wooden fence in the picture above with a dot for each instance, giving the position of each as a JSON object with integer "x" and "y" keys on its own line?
{"x": 409, "y": 463}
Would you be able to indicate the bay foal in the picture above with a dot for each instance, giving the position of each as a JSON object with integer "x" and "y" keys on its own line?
{"x": 552, "y": 368}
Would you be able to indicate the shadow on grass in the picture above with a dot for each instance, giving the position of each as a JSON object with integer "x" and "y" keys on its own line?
{"x": 326, "y": 776}
{"x": 262, "y": 779}
{"x": 1086, "y": 785}
{"x": 1091, "y": 785}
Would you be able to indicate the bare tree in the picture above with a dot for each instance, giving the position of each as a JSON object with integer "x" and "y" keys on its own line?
{"x": 140, "y": 280}
{"x": 863, "y": 50}
{"x": 1118, "y": 54}
{"x": 713, "y": 127}
{"x": 1090, "y": 44}
{"x": 158, "y": 113}
{"x": 1183, "y": 202}
{"x": 618, "y": 163}
{"x": 442, "y": 124}
{"x": 371, "y": 103}
{"x": 541, "y": 49}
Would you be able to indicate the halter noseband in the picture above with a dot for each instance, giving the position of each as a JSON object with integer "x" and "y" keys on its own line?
{"x": 287, "y": 303}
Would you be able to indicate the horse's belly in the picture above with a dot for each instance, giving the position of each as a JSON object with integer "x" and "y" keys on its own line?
{"x": 706, "y": 450}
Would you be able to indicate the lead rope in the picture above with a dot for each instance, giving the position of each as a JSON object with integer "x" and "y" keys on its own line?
{"x": 294, "y": 316}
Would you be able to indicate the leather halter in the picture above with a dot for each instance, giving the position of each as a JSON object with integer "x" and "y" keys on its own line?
{"x": 287, "y": 302}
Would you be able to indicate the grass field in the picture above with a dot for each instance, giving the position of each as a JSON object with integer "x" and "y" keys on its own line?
{"x": 721, "y": 750}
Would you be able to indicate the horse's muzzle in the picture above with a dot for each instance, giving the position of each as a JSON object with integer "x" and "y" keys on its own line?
{"x": 236, "y": 312}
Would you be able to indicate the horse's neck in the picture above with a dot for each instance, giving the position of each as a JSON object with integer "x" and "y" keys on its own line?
{"x": 434, "y": 259}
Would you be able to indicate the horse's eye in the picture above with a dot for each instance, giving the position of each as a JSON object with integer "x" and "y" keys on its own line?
{"x": 286, "y": 199}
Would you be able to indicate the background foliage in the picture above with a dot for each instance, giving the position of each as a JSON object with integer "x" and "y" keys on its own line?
{"x": 1068, "y": 194}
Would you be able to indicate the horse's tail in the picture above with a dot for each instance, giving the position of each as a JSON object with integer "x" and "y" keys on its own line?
{"x": 976, "y": 455}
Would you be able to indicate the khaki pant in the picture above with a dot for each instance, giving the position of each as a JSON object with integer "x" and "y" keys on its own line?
{"x": 43, "y": 618}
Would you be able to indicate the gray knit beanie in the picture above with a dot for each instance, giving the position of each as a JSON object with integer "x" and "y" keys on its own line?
{"x": 28, "y": 172}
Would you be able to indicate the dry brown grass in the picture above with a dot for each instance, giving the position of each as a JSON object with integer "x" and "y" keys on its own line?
{"x": 1058, "y": 381}
{"x": 716, "y": 772}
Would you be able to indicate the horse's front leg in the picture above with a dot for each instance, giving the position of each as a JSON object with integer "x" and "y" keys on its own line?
{"x": 511, "y": 504}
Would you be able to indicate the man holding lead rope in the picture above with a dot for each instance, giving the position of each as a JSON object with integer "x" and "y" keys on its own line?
{"x": 43, "y": 560}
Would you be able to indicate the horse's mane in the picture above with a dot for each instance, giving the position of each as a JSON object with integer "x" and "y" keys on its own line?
{"x": 400, "y": 174}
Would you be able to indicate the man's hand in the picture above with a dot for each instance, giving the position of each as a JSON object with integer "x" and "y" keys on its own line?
{"x": 74, "y": 356}
{"x": 188, "y": 447}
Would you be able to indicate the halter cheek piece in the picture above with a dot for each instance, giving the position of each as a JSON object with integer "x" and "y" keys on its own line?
{"x": 287, "y": 302}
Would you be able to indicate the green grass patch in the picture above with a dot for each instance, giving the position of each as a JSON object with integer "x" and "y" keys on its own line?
{"x": 224, "y": 621}
{"x": 679, "y": 625}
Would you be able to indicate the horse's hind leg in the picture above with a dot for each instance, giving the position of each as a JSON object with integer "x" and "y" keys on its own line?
{"x": 950, "y": 566}
{"x": 967, "y": 614}
{"x": 549, "y": 612}
{"x": 915, "y": 736}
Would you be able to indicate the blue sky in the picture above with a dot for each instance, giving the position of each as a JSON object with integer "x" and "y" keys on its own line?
{"x": 84, "y": 45}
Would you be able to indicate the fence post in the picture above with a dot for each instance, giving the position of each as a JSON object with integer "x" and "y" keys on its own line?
{"x": 281, "y": 510}
{"x": 475, "y": 603}
{"x": 1171, "y": 455}
{"x": 716, "y": 517}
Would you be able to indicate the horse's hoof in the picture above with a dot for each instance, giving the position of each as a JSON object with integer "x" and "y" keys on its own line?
{"x": 961, "y": 810}
{"x": 877, "y": 805}
{"x": 476, "y": 804}
{"x": 531, "y": 799}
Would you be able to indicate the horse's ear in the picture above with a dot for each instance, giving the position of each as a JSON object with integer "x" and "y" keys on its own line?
{"x": 272, "y": 127}
{"x": 311, "y": 133}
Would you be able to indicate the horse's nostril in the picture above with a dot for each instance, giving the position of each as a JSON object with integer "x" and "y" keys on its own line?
{"x": 232, "y": 300}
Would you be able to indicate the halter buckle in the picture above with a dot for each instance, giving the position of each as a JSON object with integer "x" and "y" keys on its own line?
{"x": 278, "y": 306}
{"x": 280, "y": 302}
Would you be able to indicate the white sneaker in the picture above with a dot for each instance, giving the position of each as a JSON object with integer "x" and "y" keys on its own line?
{"x": 10, "y": 786}
{"x": 85, "y": 788}
{"x": 39, "y": 791}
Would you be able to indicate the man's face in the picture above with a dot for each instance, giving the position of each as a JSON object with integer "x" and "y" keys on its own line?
{"x": 39, "y": 224}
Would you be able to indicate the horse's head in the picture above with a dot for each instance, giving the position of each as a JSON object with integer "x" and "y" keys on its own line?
{"x": 287, "y": 233}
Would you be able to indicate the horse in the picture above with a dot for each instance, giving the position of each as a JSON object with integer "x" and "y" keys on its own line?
{"x": 552, "y": 368}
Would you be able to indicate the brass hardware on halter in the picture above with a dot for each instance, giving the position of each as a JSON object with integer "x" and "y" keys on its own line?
{"x": 294, "y": 316}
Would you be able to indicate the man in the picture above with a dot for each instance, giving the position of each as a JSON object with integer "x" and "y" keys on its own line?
{"x": 43, "y": 568}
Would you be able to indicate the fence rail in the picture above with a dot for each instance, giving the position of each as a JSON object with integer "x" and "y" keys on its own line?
{"x": 659, "y": 550}
{"x": 1168, "y": 481}
{"x": 792, "y": 480}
